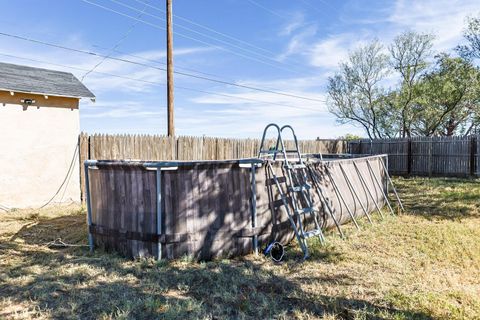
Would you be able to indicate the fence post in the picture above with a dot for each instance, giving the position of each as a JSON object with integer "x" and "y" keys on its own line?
{"x": 430, "y": 147}
{"x": 473, "y": 154}
{"x": 409, "y": 156}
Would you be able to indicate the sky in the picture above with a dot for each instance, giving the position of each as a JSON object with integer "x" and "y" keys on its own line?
{"x": 279, "y": 46}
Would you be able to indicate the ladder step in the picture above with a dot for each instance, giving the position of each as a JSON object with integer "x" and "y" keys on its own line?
{"x": 268, "y": 151}
{"x": 304, "y": 210}
{"x": 271, "y": 181}
{"x": 298, "y": 166}
{"x": 300, "y": 188}
{"x": 312, "y": 233}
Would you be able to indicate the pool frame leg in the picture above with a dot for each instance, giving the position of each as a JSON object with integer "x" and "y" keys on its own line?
{"x": 368, "y": 190}
{"x": 254, "y": 207}
{"x": 89, "y": 208}
{"x": 354, "y": 193}
{"x": 159, "y": 211}
{"x": 337, "y": 191}
{"x": 389, "y": 180}
{"x": 380, "y": 186}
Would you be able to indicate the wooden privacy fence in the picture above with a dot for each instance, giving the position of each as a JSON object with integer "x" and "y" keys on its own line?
{"x": 426, "y": 156}
{"x": 158, "y": 147}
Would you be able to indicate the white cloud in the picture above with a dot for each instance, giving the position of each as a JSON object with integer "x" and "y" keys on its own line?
{"x": 329, "y": 52}
{"x": 127, "y": 109}
{"x": 296, "y": 23}
{"x": 444, "y": 18}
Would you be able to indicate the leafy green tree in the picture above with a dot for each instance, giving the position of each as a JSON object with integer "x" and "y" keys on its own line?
{"x": 350, "y": 137}
{"x": 355, "y": 94}
{"x": 449, "y": 98}
{"x": 409, "y": 53}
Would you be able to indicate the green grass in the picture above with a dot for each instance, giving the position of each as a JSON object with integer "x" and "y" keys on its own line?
{"x": 424, "y": 264}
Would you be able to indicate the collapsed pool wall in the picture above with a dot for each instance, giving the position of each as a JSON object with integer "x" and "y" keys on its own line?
{"x": 206, "y": 209}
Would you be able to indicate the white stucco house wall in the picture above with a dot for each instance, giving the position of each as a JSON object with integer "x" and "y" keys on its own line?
{"x": 39, "y": 129}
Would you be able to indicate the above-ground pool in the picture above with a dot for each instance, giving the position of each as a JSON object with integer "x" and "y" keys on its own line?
{"x": 207, "y": 209}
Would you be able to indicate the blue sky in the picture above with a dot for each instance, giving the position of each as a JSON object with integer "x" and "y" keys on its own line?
{"x": 280, "y": 45}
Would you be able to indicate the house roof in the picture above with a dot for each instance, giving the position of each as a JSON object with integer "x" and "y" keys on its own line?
{"x": 26, "y": 79}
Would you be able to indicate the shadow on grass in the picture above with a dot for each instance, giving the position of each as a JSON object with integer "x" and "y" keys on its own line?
{"x": 440, "y": 198}
{"x": 71, "y": 283}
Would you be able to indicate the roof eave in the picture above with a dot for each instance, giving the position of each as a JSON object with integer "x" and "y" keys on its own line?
{"x": 92, "y": 97}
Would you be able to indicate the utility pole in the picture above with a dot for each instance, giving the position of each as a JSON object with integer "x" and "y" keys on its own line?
{"x": 170, "y": 118}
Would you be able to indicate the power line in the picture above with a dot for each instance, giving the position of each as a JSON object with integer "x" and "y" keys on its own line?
{"x": 224, "y": 35}
{"x": 156, "y": 62}
{"x": 192, "y": 38}
{"x": 211, "y": 29}
{"x": 162, "y": 84}
{"x": 267, "y": 9}
{"x": 197, "y": 32}
{"x": 162, "y": 69}
{"x": 123, "y": 38}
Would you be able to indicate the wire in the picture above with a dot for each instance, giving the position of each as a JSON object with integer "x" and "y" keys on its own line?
{"x": 162, "y": 84}
{"x": 267, "y": 9}
{"x": 269, "y": 57}
{"x": 72, "y": 164}
{"x": 297, "y": 62}
{"x": 211, "y": 29}
{"x": 163, "y": 69}
{"x": 119, "y": 42}
{"x": 192, "y": 38}
{"x": 157, "y": 62}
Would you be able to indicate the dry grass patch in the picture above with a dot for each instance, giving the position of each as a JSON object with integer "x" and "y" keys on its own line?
{"x": 421, "y": 265}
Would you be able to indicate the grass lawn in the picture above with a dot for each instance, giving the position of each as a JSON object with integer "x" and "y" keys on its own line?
{"x": 424, "y": 264}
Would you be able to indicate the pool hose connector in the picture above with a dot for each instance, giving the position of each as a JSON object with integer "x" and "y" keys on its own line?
{"x": 275, "y": 250}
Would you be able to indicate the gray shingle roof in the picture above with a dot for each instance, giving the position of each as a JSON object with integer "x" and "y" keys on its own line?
{"x": 19, "y": 78}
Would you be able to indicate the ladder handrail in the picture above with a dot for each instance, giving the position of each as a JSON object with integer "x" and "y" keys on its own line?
{"x": 279, "y": 140}
{"x": 294, "y": 139}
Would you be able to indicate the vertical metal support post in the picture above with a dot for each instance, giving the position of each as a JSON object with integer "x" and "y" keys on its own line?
{"x": 337, "y": 191}
{"x": 368, "y": 190}
{"x": 389, "y": 180}
{"x": 354, "y": 193}
{"x": 254, "y": 208}
{"x": 380, "y": 186}
{"x": 89, "y": 208}
{"x": 324, "y": 200}
{"x": 159, "y": 211}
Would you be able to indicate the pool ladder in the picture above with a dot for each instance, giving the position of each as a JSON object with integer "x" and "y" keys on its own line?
{"x": 296, "y": 185}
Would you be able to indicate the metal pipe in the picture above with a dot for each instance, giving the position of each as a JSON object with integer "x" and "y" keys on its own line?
{"x": 159, "y": 211}
{"x": 337, "y": 191}
{"x": 389, "y": 180}
{"x": 89, "y": 206}
{"x": 380, "y": 186}
{"x": 354, "y": 193}
{"x": 254, "y": 208}
{"x": 362, "y": 180}
{"x": 324, "y": 200}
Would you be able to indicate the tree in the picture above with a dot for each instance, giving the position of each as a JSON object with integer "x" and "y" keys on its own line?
{"x": 409, "y": 53}
{"x": 449, "y": 99}
{"x": 350, "y": 137}
{"x": 355, "y": 94}
{"x": 472, "y": 35}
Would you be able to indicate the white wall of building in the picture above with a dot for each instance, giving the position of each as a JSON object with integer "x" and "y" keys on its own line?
{"x": 36, "y": 149}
